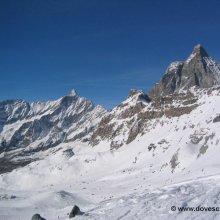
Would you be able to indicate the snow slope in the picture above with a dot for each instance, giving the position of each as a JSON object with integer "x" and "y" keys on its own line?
{"x": 175, "y": 163}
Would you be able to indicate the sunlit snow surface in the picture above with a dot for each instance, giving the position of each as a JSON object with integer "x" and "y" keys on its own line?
{"x": 130, "y": 183}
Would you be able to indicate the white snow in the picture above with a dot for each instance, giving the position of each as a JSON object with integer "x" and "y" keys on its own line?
{"x": 173, "y": 66}
{"x": 190, "y": 58}
{"x": 134, "y": 182}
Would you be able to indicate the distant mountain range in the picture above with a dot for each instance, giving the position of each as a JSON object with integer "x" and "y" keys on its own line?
{"x": 186, "y": 88}
{"x": 30, "y": 128}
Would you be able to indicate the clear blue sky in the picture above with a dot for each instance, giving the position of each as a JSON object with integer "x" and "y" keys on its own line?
{"x": 101, "y": 48}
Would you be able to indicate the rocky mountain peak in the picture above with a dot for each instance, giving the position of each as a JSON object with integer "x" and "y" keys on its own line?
{"x": 136, "y": 95}
{"x": 134, "y": 92}
{"x": 197, "y": 55}
{"x": 199, "y": 50}
{"x": 73, "y": 93}
{"x": 198, "y": 70}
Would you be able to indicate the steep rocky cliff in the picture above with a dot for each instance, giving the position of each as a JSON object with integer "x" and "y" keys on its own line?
{"x": 198, "y": 70}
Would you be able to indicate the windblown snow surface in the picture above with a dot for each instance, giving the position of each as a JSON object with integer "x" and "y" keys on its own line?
{"x": 176, "y": 163}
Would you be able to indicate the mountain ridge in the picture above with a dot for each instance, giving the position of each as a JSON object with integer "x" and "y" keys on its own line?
{"x": 27, "y": 128}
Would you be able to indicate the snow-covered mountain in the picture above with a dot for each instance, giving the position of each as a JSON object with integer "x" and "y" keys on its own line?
{"x": 150, "y": 153}
{"x": 30, "y": 128}
{"x": 178, "y": 93}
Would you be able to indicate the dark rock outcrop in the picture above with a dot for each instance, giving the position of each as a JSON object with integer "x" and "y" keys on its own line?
{"x": 68, "y": 153}
{"x": 37, "y": 217}
{"x": 8, "y": 164}
{"x": 216, "y": 119}
{"x": 75, "y": 211}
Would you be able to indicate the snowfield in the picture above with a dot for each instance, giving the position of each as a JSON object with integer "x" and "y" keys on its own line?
{"x": 176, "y": 163}
{"x": 51, "y": 188}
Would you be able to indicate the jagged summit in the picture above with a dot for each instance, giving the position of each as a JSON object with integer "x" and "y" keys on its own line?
{"x": 198, "y": 49}
{"x": 198, "y": 70}
{"x": 38, "y": 126}
{"x": 138, "y": 95}
{"x": 133, "y": 92}
{"x": 198, "y": 53}
{"x": 73, "y": 93}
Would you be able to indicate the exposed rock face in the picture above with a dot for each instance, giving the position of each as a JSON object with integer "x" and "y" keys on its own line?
{"x": 169, "y": 82}
{"x": 198, "y": 70}
{"x": 121, "y": 118}
{"x": 135, "y": 116}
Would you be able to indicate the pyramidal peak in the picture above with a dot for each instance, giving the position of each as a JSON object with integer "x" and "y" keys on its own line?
{"x": 198, "y": 53}
{"x": 198, "y": 49}
{"x": 198, "y": 70}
